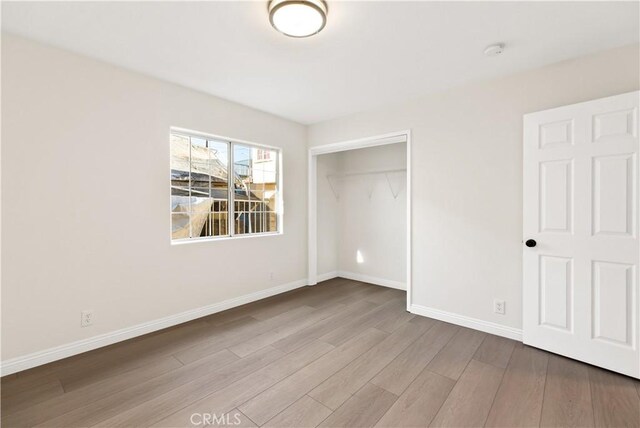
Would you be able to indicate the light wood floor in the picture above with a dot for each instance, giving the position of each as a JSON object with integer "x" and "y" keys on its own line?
{"x": 339, "y": 354}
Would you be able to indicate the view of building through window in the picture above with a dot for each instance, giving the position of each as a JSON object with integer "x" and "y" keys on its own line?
{"x": 202, "y": 204}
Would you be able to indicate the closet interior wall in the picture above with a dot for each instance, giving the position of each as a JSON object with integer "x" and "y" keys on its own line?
{"x": 361, "y": 203}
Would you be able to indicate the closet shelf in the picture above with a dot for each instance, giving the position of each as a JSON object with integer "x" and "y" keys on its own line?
{"x": 351, "y": 174}
{"x": 334, "y": 178}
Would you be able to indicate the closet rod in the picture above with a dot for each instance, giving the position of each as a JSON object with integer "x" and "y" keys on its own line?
{"x": 350, "y": 174}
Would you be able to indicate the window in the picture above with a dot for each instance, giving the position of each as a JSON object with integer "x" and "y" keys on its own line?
{"x": 210, "y": 200}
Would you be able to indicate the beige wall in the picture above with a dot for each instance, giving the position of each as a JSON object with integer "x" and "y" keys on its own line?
{"x": 467, "y": 175}
{"x": 85, "y": 212}
{"x": 85, "y": 192}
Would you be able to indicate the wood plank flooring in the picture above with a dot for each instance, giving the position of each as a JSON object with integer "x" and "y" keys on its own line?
{"x": 340, "y": 354}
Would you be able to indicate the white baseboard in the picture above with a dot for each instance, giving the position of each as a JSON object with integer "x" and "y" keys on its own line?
{"x": 474, "y": 323}
{"x": 372, "y": 280}
{"x": 327, "y": 276}
{"x": 35, "y": 359}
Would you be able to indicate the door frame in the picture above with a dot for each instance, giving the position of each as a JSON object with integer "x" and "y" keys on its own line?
{"x": 361, "y": 143}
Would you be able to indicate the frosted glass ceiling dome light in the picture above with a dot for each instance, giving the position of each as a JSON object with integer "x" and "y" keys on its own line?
{"x": 298, "y": 18}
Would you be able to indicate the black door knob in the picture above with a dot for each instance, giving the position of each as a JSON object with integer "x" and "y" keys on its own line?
{"x": 530, "y": 243}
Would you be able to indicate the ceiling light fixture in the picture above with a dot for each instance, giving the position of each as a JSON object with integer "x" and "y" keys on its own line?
{"x": 298, "y": 18}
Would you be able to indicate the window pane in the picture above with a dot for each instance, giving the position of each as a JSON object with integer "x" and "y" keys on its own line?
{"x": 218, "y": 161}
{"x": 242, "y": 224}
{"x": 200, "y": 220}
{"x": 218, "y": 187}
{"x": 179, "y": 199}
{"x": 256, "y": 177}
{"x": 271, "y": 199}
{"x": 265, "y": 166}
{"x": 242, "y": 188}
{"x": 242, "y": 172}
{"x": 271, "y": 219}
{"x": 199, "y": 189}
{"x": 201, "y": 200}
{"x": 220, "y": 216}
{"x": 265, "y": 183}
{"x": 180, "y": 225}
{"x": 179, "y": 160}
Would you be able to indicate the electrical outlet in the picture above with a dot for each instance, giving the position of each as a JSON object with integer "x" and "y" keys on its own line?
{"x": 498, "y": 306}
{"x": 86, "y": 318}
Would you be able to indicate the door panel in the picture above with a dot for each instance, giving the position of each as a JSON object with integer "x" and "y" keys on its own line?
{"x": 580, "y": 283}
{"x": 613, "y": 302}
{"x": 556, "y": 199}
{"x": 556, "y": 134}
{"x": 614, "y": 125}
{"x": 556, "y": 292}
{"x": 613, "y": 190}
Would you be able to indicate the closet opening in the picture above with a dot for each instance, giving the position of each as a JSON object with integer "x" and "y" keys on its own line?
{"x": 360, "y": 211}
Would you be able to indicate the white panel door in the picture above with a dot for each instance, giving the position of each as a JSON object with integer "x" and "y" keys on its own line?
{"x": 581, "y": 247}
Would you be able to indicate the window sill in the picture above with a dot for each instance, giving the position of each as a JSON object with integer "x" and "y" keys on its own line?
{"x": 224, "y": 238}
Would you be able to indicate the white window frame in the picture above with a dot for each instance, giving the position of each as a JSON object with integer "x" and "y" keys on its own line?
{"x": 231, "y": 193}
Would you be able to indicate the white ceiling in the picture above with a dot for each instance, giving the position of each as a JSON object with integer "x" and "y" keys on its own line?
{"x": 370, "y": 53}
